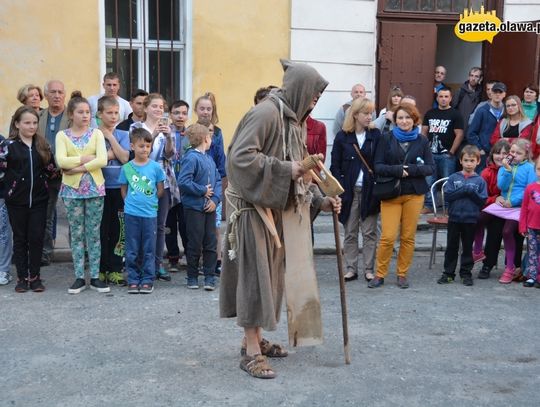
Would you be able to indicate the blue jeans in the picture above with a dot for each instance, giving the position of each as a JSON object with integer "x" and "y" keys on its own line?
{"x": 140, "y": 249}
{"x": 445, "y": 165}
{"x": 163, "y": 210}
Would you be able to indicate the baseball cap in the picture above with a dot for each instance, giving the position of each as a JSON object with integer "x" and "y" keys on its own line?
{"x": 498, "y": 86}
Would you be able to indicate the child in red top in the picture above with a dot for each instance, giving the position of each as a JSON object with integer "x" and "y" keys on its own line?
{"x": 489, "y": 174}
{"x": 529, "y": 225}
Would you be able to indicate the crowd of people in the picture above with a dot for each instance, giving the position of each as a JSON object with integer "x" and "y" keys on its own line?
{"x": 484, "y": 153}
{"x": 127, "y": 173}
{"x": 133, "y": 175}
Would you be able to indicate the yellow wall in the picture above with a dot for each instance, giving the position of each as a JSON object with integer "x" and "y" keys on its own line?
{"x": 41, "y": 40}
{"x": 236, "y": 49}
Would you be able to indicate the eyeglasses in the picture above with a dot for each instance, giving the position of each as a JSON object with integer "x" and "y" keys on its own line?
{"x": 395, "y": 88}
{"x": 511, "y": 105}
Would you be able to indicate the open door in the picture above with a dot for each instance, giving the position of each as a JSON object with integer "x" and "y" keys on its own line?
{"x": 514, "y": 59}
{"x": 406, "y": 57}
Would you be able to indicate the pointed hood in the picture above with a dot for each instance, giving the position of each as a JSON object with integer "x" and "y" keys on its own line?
{"x": 301, "y": 83}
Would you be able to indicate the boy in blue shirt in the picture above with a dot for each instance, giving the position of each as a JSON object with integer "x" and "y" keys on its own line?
{"x": 466, "y": 193}
{"x": 200, "y": 188}
{"x": 141, "y": 182}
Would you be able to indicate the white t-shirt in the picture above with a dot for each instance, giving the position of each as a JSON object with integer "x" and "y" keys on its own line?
{"x": 360, "y": 137}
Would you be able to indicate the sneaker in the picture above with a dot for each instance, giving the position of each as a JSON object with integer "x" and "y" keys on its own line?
{"x": 478, "y": 257}
{"x": 507, "y": 276}
{"x": 116, "y": 278}
{"x": 22, "y": 286}
{"x": 99, "y": 286}
{"x": 445, "y": 279}
{"x": 217, "y": 272}
{"x": 36, "y": 285}
{"x": 376, "y": 282}
{"x": 209, "y": 284}
{"x": 529, "y": 283}
{"x": 484, "y": 273}
{"x": 467, "y": 280}
{"x": 192, "y": 283}
{"x": 5, "y": 278}
{"x": 78, "y": 286}
{"x": 133, "y": 289}
{"x": 173, "y": 267}
{"x": 102, "y": 276}
{"x": 162, "y": 274}
{"x": 146, "y": 288}
{"x": 402, "y": 282}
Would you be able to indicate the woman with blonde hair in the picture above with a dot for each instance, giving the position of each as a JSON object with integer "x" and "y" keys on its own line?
{"x": 514, "y": 124}
{"x": 30, "y": 95}
{"x": 352, "y": 164}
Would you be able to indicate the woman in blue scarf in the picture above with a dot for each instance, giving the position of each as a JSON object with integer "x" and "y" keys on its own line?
{"x": 405, "y": 154}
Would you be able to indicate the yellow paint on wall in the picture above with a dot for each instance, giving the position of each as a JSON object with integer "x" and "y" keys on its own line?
{"x": 47, "y": 39}
{"x": 236, "y": 49}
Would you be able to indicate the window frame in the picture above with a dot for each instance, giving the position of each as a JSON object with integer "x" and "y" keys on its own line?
{"x": 141, "y": 42}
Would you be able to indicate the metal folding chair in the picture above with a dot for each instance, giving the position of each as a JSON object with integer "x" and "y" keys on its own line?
{"x": 439, "y": 220}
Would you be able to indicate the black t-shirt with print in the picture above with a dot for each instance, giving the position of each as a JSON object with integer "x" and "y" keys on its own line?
{"x": 441, "y": 125}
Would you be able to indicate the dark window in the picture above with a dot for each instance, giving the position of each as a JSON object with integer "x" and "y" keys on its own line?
{"x": 145, "y": 44}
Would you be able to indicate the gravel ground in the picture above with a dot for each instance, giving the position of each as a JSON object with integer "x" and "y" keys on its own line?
{"x": 430, "y": 345}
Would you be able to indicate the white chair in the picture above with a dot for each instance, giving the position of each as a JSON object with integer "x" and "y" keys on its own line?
{"x": 439, "y": 220}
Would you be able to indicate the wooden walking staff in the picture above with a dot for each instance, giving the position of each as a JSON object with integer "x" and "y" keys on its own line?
{"x": 331, "y": 187}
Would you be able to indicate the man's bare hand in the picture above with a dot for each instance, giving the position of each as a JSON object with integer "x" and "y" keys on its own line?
{"x": 297, "y": 170}
{"x": 331, "y": 204}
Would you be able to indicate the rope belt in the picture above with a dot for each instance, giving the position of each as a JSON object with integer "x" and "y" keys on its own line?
{"x": 232, "y": 237}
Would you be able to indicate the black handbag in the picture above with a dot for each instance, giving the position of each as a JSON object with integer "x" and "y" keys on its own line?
{"x": 387, "y": 187}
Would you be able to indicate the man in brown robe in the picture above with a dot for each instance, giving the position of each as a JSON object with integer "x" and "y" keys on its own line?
{"x": 264, "y": 171}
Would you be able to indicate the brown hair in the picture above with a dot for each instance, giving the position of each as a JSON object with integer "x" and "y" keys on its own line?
{"x": 394, "y": 91}
{"x": 470, "y": 149}
{"x": 212, "y": 98}
{"x": 106, "y": 101}
{"x": 76, "y": 98}
{"x": 532, "y": 87}
{"x": 411, "y": 110}
{"x": 148, "y": 99}
{"x": 139, "y": 133}
{"x": 42, "y": 146}
{"x": 497, "y": 148}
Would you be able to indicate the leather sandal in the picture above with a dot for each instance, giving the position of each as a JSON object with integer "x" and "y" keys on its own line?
{"x": 257, "y": 366}
{"x": 268, "y": 349}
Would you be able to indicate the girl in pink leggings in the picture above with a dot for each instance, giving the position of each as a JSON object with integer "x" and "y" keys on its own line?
{"x": 513, "y": 177}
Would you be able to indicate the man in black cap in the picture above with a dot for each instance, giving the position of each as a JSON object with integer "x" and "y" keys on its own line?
{"x": 485, "y": 120}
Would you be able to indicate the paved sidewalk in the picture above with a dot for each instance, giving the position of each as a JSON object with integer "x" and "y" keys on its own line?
{"x": 323, "y": 228}
{"x": 430, "y": 345}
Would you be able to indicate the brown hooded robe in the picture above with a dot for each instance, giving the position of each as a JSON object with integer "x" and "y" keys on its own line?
{"x": 259, "y": 170}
